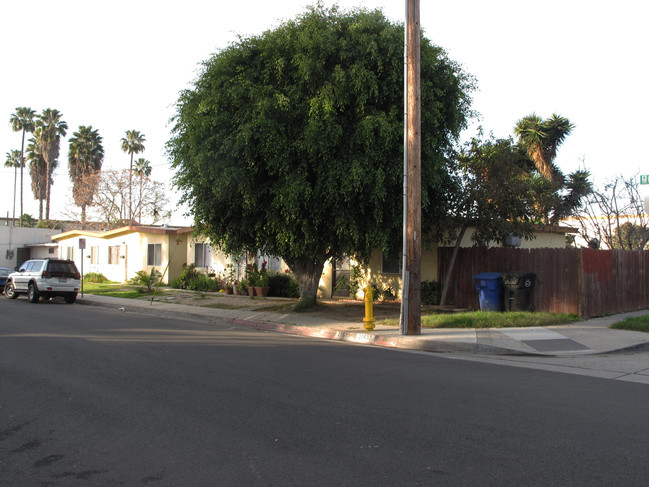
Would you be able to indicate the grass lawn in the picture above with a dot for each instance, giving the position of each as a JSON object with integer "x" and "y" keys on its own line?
{"x": 355, "y": 311}
{"x": 639, "y": 323}
{"x": 491, "y": 319}
{"x": 115, "y": 290}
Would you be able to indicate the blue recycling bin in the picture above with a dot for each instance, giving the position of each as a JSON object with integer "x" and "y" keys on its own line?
{"x": 489, "y": 287}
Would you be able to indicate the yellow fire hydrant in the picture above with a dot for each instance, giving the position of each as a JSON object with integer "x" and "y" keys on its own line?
{"x": 369, "y": 309}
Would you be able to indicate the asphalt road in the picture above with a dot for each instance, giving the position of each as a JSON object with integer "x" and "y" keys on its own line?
{"x": 91, "y": 396}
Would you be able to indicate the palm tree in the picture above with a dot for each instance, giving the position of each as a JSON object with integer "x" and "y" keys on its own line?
{"x": 23, "y": 120}
{"x": 541, "y": 139}
{"x": 133, "y": 143}
{"x": 37, "y": 172}
{"x": 85, "y": 157}
{"x": 14, "y": 160}
{"x": 49, "y": 130}
{"x": 142, "y": 169}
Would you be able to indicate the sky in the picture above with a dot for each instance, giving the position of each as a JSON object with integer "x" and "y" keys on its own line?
{"x": 120, "y": 66}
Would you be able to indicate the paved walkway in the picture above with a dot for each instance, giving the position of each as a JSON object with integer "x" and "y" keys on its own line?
{"x": 582, "y": 338}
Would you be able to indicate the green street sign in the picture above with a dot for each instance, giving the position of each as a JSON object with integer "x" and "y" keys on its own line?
{"x": 644, "y": 179}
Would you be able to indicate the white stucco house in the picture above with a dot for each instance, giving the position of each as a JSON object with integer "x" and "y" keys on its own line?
{"x": 120, "y": 253}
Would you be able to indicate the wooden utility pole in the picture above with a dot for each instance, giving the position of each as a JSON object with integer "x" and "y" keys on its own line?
{"x": 411, "y": 283}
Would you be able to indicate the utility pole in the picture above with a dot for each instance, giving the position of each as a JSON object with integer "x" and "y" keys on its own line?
{"x": 410, "y": 323}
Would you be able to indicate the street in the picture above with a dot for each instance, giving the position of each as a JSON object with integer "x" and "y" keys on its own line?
{"x": 91, "y": 396}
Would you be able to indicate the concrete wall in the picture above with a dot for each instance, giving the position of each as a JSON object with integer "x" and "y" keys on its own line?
{"x": 13, "y": 238}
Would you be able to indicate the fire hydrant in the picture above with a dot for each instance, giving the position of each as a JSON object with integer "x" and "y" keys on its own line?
{"x": 369, "y": 309}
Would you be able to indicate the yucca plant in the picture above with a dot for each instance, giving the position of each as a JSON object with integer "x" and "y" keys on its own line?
{"x": 149, "y": 281}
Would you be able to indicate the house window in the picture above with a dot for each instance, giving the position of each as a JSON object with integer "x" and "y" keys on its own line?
{"x": 94, "y": 255}
{"x": 51, "y": 250}
{"x": 200, "y": 254}
{"x": 391, "y": 264}
{"x": 154, "y": 254}
{"x": 113, "y": 254}
{"x": 274, "y": 264}
{"x": 70, "y": 253}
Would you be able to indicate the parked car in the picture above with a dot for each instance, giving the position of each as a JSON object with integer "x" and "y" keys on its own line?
{"x": 4, "y": 272}
{"x": 44, "y": 277}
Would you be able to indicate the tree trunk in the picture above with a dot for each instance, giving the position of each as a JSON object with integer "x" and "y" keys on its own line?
{"x": 22, "y": 165}
{"x": 13, "y": 217}
{"x": 447, "y": 277}
{"x": 83, "y": 217}
{"x": 40, "y": 210}
{"x": 130, "y": 193}
{"x": 140, "y": 204}
{"x": 47, "y": 193}
{"x": 308, "y": 274}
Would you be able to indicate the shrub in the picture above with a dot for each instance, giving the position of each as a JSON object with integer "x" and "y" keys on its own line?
{"x": 95, "y": 277}
{"x": 431, "y": 292}
{"x": 204, "y": 283}
{"x": 188, "y": 274}
{"x": 354, "y": 285}
{"x": 147, "y": 280}
{"x": 283, "y": 285}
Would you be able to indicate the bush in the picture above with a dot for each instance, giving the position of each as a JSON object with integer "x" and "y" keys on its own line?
{"x": 188, "y": 274}
{"x": 205, "y": 283}
{"x": 354, "y": 285}
{"x": 95, "y": 277}
{"x": 283, "y": 285}
{"x": 431, "y": 292}
{"x": 149, "y": 281}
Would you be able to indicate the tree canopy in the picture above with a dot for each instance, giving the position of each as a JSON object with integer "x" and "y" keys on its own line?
{"x": 291, "y": 142}
{"x": 85, "y": 158}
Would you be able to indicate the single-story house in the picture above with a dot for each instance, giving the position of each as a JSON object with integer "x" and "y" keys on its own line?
{"x": 18, "y": 244}
{"x": 382, "y": 270}
{"x": 118, "y": 254}
{"x": 212, "y": 261}
{"x": 385, "y": 271}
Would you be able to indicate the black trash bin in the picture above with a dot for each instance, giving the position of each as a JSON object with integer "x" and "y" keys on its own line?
{"x": 489, "y": 289}
{"x": 519, "y": 291}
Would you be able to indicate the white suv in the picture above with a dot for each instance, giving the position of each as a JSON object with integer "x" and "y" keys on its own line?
{"x": 44, "y": 277}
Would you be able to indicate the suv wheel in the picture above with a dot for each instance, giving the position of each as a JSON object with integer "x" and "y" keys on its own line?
{"x": 10, "y": 291}
{"x": 70, "y": 298}
{"x": 32, "y": 293}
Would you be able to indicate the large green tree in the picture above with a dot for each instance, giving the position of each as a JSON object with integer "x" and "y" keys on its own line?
{"x": 85, "y": 158}
{"x": 291, "y": 142}
{"x": 22, "y": 121}
{"x": 50, "y": 127}
{"x": 132, "y": 144}
{"x": 493, "y": 197}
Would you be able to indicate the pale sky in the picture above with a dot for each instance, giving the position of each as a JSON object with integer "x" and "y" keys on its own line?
{"x": 120, "y": 65}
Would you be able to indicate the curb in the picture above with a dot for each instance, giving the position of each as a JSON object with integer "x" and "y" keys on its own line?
{"x": 402, "y": 343}
{"x": 421, "y": 343}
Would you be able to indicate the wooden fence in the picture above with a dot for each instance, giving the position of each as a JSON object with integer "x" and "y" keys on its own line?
{"x": 582, "y": 281}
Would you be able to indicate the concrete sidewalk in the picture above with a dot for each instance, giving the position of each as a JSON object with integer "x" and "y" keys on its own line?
{"x": 583, "y": 338}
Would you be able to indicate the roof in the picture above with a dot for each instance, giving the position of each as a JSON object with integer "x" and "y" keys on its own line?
{"x": 118, "y": 232}
{"x": 561, "y": 229}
